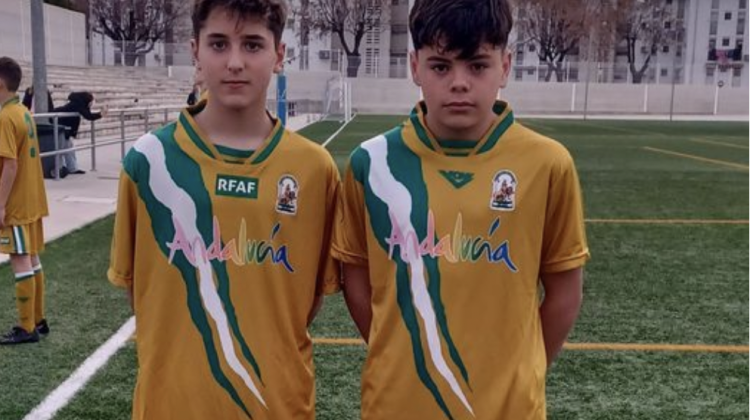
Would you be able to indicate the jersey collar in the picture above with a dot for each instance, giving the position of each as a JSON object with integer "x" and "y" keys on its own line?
{"x": 502, "y": 123}
{"x": 200, "y": 139}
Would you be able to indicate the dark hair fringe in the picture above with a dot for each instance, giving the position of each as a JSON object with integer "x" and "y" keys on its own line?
{"x": 460, "y": 25}
{"x": 272, "y": 12}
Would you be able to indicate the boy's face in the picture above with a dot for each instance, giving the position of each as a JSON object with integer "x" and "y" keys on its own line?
{"x": 236, "y": 58}
{"x": 460, "y": 94}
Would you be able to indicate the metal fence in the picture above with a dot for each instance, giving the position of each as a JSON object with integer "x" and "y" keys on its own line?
{"x": 133, "y": 122}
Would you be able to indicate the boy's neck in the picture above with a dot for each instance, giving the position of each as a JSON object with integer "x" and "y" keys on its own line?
{"x": 239, "y": 129}
{"x": 6, "y": 96}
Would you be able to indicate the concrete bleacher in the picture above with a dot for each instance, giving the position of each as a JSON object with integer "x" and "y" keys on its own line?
{"x": 118, "y": 87}
{"x": 128, "y": 89}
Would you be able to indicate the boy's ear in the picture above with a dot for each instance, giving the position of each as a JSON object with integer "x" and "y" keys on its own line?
{"x": 414, "y": 63}
{"x": 194, "y": 52}
{"x": 507, "y": 58}
{"x": 280, "y": 55}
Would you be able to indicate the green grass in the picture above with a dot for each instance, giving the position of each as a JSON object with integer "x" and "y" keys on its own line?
{"x": 668, "y": 284}
{"x": 84, "y": 310}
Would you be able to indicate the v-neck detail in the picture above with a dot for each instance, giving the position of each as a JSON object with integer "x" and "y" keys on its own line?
{"x": 201, "y": 141}
{"x": 467, "y": 147}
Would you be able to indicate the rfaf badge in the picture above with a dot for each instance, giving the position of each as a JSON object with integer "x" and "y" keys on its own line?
{"x": 287, "y": 195}
{"x": 504, "y": 186}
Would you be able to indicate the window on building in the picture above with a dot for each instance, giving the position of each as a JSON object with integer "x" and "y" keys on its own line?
{"x": 664, "y": 72}
{"x": 710, "y": 71}
{"x": 399, "y": 28}
{"x": 714, "y": 25}
{"x": 519, "y": 74}
{"x": 678, "y": 51}
{"x": 737, "y": 71}
{"x": 728, "y": 16}
{"x": 725, "y": 42}
{"x": 741, "y": 22}
{"x": 372, "y": 60}
{"x": 714, "y": 4}
{"x": 681, "y": 9}
{"x": 743, "y": 4}
{"x": 668, "y": 24}
{"x": 669, "y": 2}
{"x": 665, "y": 49}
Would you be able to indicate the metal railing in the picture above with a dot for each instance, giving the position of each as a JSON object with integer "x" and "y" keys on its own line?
{"x": 146, "y": 114}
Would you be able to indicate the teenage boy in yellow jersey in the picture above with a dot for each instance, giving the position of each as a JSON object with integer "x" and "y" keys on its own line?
{"x": 23, "y": 204}
{"x": 222, "y": 237}
{"x": 449, "y": 228}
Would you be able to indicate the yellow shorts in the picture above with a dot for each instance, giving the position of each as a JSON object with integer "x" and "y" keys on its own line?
{"x": 24, "y": 239}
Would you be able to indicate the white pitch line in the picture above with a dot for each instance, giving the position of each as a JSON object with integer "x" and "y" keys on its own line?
{"x": 333, "y": 136}
{"x": 62, "y": 395}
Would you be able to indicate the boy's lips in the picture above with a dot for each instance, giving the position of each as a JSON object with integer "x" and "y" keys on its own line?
{"x": 235, "y": 83}
{"x": 459, "y": 105}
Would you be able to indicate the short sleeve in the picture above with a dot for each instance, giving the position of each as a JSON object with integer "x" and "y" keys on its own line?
{"x": 564, "y": 244}
{"x": 330, "y": 274}
{"x": 122, "y": 255}
{"x": 350, "y": 232}
{"x": 8, "y": 138}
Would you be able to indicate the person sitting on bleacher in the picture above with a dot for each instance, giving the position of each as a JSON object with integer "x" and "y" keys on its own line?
{"x": 79, "y": 102}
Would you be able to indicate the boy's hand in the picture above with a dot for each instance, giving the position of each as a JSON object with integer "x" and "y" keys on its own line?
{"x": 105, "y": 111}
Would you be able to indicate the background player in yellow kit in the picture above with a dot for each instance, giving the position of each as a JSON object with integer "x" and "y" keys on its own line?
{"x": 450, "y": 226}
{"x": 224, "y": 269}
{"x": 23, "y": 204}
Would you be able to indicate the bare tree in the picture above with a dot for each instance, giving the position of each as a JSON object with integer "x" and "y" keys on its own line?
{"x": 350, "y": 21}
{"x": 556, "y": 27}
{"x": 642, "y": 24}
{"x": 601, "y": 34}
{"x": 136, "y": 26}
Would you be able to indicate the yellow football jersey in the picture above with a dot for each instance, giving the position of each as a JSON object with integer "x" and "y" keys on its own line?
{"x": 456, "y": 235}
{"x": 225, "y": 259}
{"x": 18, "y": 140}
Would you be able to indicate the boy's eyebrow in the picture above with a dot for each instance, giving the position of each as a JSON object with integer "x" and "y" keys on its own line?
{"x": 479, "y": 57}
{"x": 248, "y": 37}
{"x": 438, "y": 59}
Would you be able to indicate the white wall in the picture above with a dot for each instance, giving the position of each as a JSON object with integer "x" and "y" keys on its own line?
{"x": 65, "y": 33}
{"x": 398, "y": 96}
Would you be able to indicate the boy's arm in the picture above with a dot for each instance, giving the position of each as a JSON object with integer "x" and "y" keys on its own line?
{"x": 122, "y": 254}
{"x": 131, "y": 299}
{"x": 564, "y": 253}
{"x": 329, "y": 276}
{"x": 563, "y": 293}
{"x": 8, "y": 157}
{"x": 7, "y": 178}
{"x": 350, "y": 246}
{"x": 358, "y": 295}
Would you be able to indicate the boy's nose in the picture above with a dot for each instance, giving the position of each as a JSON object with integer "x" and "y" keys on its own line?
{"x": 460, "y": 81}
{"x": 235, "y": 62}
